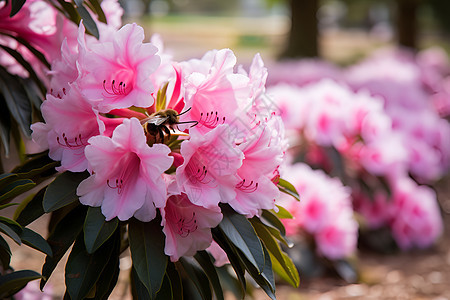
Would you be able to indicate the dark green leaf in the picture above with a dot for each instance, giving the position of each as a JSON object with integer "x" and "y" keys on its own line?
{"x": 287, "y": 188}
{"x": 147, "y": 252}
{"x": 346, "y": 270}
{"x": 207, "y": 265}
{"x": 138, "y": 289}
{"x": 84, "y": 269}
{"x": 5, "y": 124}
{"x": 241, "y": 233}
{"x": 166, "y": 291}
{"x": 69, "y": 10}
{"x": 264, "y": 279}
{"x": 38, "y": 162}
{"x": 87, "y": 20}
{"x": 230, "y": 282}
{"x": 32, "y": 210}
{"x": 288, "y": 271}
{"x": 63, "y": 190}
{"x": 13, "y": 282}
{"x": 34, "y": 240}
{"x": 6, "y": 179}
{"x": 234, "y": 259}
{"x": 198, "y": 277}
{"x": 16, "y": 188}
{"x": 273, "y": 220}
{"x": 10, "y": 221}
{"x": 10, "y": 232}
{"x": 175, "y": 281}
{"x": 5, "y": 254}
{"x": 8, "y": 205}
{"x": 96, "y": 229}
{"x": 110, "y": 274}
{"x": 98, "y": 10}
{"x": 16, "y": 5}
{"x": 62, "y": 237}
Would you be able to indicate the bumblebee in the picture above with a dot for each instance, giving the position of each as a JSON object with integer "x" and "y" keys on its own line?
{"x": 158, "y": 125}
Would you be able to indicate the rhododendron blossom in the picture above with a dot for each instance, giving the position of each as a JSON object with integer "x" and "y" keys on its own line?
{"x": 164, "y": 140}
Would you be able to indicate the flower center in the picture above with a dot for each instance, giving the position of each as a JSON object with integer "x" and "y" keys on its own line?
{"x": 74, "y": 143}
{"x": 210, "y": 119}
{"x": 247, "y": 187}
{"x": 185, "y": 226}
{"x": 127, "y": 170}
{"x": 196, "y": 172}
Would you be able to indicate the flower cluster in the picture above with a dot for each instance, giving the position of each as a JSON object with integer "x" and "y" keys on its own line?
{"x": 379, "y": 145}
{"x": 163, "y": 138}
{"x": 325, "y": 212}
{"x": 43, "y": 27}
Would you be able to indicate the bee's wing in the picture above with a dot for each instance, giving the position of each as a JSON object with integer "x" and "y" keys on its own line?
{"x": 157, "y": 120}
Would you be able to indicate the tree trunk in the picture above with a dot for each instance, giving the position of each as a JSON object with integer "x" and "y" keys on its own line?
{"x": 302, "y": 40}
{"x": 407, "y": 23}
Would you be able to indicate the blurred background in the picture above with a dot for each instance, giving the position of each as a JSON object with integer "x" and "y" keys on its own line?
{"x": 339, "y": 30}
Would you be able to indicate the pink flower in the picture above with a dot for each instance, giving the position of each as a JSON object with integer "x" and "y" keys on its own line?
{"x": 220, "y": 256}
{"x": 262, "y": 157}
{"x": 126, "y": 176}
{"x": 65, "y": 141}
{"x": 208, "y": 173}
{"x": 117, "y": 71}
{"x": 213, "y": 90}
{"x": 187, "y": 226}
{"x": 417, "y": 222}
{"x": 338, "y": 239}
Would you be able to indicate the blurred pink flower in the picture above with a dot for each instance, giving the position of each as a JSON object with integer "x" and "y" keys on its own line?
{"x": 417, "y": 222}
{"x": 126, "y": 173}
{"x": 220, "y": 256}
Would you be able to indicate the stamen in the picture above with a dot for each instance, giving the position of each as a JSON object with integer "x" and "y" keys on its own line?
{"x": 197, "y": 174}
{"x": 76, "y": 144}
{"x": 115, "y": 90}
{"x": 249, "y": 188}
{"x": 185, "y": 227}
{"x": 118, "y": 185}
{"x": 211, "y": 120}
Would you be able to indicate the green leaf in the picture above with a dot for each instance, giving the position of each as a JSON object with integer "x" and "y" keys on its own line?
{"x": 138, "y": 289}
{"x": 84, "y": 269}
{"x": 241, "y": 233}
{"x": 197, "y": 276}
{"x": 10, "y": 232}
{"x": 8, "y": 205}
{"x": 207, "y": 265}
{"x": 63, "y": 190}
{"x": 287, "y": 188}
{"x": 62, "y": 237}
{"x": 230, "y": 282}
{"x": 5, "y": 254}
{"x": 346, "y": 270}
{"x": 96, "y": 229}
{"x": 283, "y": 213}
{"x": 264, "y": 279}
{"x": 38, "y": 164}
{"x": 234, "y": 259}
{"x": 98, "y": 10}
{"x": 147, "y": 252}
{"x": 273, "y": 220}
{"x": 69, "y": 10}
{"x": 36, "y": 241}
{"x": 110, "y": 274}
{"x": 175, "y": 281}
{"x": 32, "y": 210}
{"x": 88, "y": 21}
{"x": 166, "y": 291}
{"x": 16, "y": 188}
{"x": 16, "y": 5}
{"x": 6, "y": 179}
{"x": 288, "y": 271}
{"x": 13, "y": 282}
{"x": 5, "y": 124}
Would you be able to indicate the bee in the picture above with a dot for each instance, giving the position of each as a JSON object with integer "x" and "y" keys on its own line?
{"x": 159, "y": 124}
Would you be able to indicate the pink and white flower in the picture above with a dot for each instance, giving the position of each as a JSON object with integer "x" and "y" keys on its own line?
{"x": 126, "y": 178}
